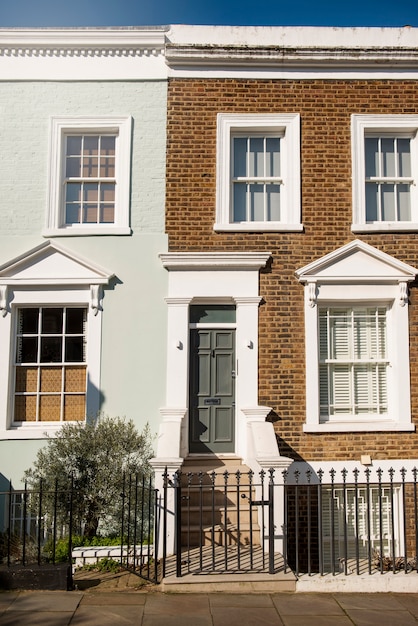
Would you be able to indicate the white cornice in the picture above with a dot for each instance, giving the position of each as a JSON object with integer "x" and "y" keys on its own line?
{"x": 181, "y": 56}
{"x": 214, "y": 260}
{"x": 82, "y": 42}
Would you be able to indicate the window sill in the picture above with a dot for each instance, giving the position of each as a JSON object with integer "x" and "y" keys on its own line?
{"x": 259, "y": 227}
{"x": 349, "y": 427}
{"x": 32, "y": 430}
{"x": 82, "y": 231}
{"x": 387, "y": 227}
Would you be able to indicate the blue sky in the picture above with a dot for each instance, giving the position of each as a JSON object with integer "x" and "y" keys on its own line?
{"x": 31, "y": 13}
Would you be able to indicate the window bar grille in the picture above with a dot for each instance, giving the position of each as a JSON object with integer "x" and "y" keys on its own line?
{"x": 54, "y": 531}
{"x": 238, "y": 477}
{"x": 250, "y": 488}
{"x": 356, "y": 519}
{"x": 320, "y": 524}
{"x": 226, "y": 476}
{"x": 212, "y": 485}
{"x": 25, "y": 511}
{"x": 368, "y": 520}
{"x": 332, "y": 473}
{"x": 380, "y": 492}
{"x": 403, "y": 472}
{"x": 297, "y": 522}
{"x": 308, "y": 477}
{"x": 392, "y": 521}
{"x": 39, "y": 521}
{"x": 201, "y": 529}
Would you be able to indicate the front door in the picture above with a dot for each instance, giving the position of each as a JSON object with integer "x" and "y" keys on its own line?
{"x": 212, "y": 391}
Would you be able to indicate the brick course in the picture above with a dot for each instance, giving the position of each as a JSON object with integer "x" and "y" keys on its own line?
{"x": 325, "y": 107}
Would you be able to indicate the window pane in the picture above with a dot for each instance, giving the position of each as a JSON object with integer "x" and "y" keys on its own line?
{"x": 74, "y": 408}
{"x": 240, "y": 156}
{"x": 273, "y": 203}
{"x": 72, "y": 213}
{"x": 256, "y": 203}
{"x": 25, "y": 409}
{"x": 26, "y": 379}
{"x": 107, "y": 214}
{"x": 51, "y": 379}
{"x": 91, "y": 145}
{"x": 107, "y": 192}
{"x": 73, "y": 145}
{"x": 73, "y": 167}
{"x": 51, "y": 350}
{"x": 240, "y": 201}
{"x": 388, "y": 154}
{"x": 90, "y": 213}
{"x": 74, "y": 349}
{"x": 404, "y": 150}
{"x": 50, "y": 408}
{"x": 27, "y": 350}
{"x": 91, "y": 167}
{"x": 75, "y": 320}
{"x": 372, "y": 202}
{"x": 28, "y": 320}
{"x": 73, "y": 192}
{"x": 90, "y": 192}
{"x": 388, "y": 202}
{"x": 212, "y": 313}
{"x": 52, "y": 321}
{"x": 404, "y": 203}
{"x": 256, "y": 160}
{"x": 372, "y": 157}
{"x": 107, "y": 145}
{"x": 75, "y": 379}
{"x": 273, "y": 156}
{"x": 107, "y": 167}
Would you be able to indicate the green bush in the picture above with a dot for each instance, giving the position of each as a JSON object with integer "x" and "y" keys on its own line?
{"x": 78, "y": 541}
{"x": 104, "y": 565}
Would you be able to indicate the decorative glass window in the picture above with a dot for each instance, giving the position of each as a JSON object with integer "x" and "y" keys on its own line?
{"x": 353, "y": 361}
{"x": 385, "y": 172}
{"x": 50, "y": 365}
{"x": 258, "y": 172}
{"x": 90, "y": 182}
{"x": 89, "y": 177}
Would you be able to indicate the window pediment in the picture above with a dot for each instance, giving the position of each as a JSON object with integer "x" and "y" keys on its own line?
{"x": 357, "y": 262}
{"x": 50, "y": 264}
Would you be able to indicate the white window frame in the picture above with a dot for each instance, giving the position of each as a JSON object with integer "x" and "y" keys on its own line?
{"x": 287, "y": 126}
{"x": 363, "y": 126}
{"x": 359, "y": 275}
{"x": 60, "y": 127}
{"x": 46, "y": 297}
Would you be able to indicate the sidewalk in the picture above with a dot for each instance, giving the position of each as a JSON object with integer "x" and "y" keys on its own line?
{"x": 153, "y": 608}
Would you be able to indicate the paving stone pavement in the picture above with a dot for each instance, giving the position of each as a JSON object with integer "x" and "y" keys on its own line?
{"x": 153, "y": 608}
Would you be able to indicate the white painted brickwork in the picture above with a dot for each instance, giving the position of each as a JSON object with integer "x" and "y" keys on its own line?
{"x": 25, "y": 109}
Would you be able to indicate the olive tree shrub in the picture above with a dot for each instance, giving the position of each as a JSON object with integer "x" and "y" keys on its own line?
{"x": 95, "y": 458}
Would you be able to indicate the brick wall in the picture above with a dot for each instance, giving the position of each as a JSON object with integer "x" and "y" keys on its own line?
{"x": 325, "y": 108}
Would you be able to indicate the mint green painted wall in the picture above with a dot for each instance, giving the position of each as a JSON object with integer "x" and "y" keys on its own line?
{"x": 134, "y": 311}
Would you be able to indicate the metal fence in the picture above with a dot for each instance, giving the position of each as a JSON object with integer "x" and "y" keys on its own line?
{"x": 357, "y": 521}
{"x": 44, "y": 526}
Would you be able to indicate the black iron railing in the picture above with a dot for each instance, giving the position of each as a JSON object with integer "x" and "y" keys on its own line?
{"x": 42, "y": 526}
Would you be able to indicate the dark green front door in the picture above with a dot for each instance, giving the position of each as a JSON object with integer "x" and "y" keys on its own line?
{"x": 212, "y": 391}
